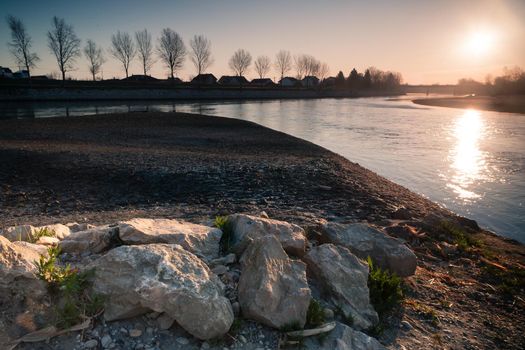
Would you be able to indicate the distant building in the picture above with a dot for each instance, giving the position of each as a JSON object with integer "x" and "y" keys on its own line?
{"x": 39, "y": 77}
{"x": 330, "y": 81}
{"x": 233, "y": 80}
{"x": 5, "y": 72}
{"x": 204, "y": 79}
{"x": 289, "y": 82}
{"x": 140, "y": 77}
{"x": 175, "y": 80}
{"x": 265, "y": 82}
{"x": 309, "y": 81}
{"x": 21, "y": 74}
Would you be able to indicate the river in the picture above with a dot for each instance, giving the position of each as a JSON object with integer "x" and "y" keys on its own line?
{"x": 472, "y": 162}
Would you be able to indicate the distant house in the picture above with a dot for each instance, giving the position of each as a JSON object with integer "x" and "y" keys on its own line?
{"x": 289, "y": 82}
{"x": 309, "y": 81}
{"x": 330, "y": 81}
{"x": 5, "y": 72}
{"x": 140, "y": 77}
{"x": 175, "y": 80}
{"x": 204, "y": 79}
{"x": 21, "y": 74}
{"x": 39, "y": 77}
{"x": 233, "y": 80}
{"x": 266, "y": 82}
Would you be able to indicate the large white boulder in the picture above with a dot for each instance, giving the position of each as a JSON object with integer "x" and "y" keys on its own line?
{"x": 93, "y": 240}
{"x": 17, "y": 269}
{"x": 163, "y": 278}
{"x": 273, "y": 289}
{"x": 364, "y": 240}
{"x": 27, "y": 232}
{"x": 198, "y": 239}
{"x": 246, "y": 228}
{"x": 344, "y": 278}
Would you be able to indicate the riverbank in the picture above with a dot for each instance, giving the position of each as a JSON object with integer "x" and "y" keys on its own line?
{"x": 466, "y": 292}
{"x": 510, "y": 104}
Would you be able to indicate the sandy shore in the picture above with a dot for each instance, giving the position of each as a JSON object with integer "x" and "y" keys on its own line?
{"x": 511, "y": 104}
{"x": 104, "y": 168}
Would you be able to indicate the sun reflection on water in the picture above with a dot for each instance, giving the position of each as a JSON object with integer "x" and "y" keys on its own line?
{"x": 468, "y": 162}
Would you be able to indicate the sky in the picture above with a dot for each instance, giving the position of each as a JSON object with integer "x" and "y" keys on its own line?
{"x": 426, "y": 41}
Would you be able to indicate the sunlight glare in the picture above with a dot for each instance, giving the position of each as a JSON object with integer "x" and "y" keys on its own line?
{"x": 479, "y": 43}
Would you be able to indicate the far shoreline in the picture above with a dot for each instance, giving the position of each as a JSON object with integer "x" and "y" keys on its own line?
{"x": 506, "y": 104}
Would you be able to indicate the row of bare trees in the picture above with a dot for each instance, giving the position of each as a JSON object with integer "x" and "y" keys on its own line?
{"x": 64, "y": 44}
{"x": 170, "y": 49}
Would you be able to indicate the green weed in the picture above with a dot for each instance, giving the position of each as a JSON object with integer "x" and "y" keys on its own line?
{"x": 227, "y": 238}
{"x": 43, "y": 232}
{"x": 385, "y": 288}
{"x": 463, "y": 239}
{"x": 315, "y": 314}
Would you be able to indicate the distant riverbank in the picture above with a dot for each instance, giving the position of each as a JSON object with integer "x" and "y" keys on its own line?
{"x": 511, "y": 104}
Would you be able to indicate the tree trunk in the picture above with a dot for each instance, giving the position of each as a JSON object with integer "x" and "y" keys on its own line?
{"x": 63, "y": 75}
{"x": 94, "y": 76}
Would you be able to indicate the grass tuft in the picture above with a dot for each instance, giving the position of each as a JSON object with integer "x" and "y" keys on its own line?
{"x": 227, "y": 238}
{"x": 463, "y": 239}
{"x": 292, "y": 326}
{"x": 385, "y": 288}
{"x": 43, "y": 232}
{"x": 71, "y": 287}
{"x": 315, "y": 314}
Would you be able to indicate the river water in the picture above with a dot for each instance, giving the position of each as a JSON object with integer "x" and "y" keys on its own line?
{"x": 472, "y": 162}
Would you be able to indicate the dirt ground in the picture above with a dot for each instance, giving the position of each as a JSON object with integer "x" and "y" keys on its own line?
{"x": 105, "y": 168}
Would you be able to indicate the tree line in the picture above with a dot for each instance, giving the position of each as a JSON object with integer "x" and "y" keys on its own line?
{"x": 171, "y": 50}
{"x": 511, "y": 82}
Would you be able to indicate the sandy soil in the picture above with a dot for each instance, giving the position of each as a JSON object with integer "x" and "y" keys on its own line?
{"x": 105, "y": 168}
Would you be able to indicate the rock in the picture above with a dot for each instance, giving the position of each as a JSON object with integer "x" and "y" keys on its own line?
{"x": 48, "y": 241}
{"x": 94, "y": 240}
{"x": 229, "y": 259}
{"x": 40, "y": 249}
{"x": 402, "y": 214}
{"x": 27, "y": 232}
{"x": 247, "y": 228}
{"x": 343, "y": 338}
{"x": 219, "y": 270}
{"x": 182, "y": 341}
{"x": 273, "y": 289}
{"x": 106, "y": 341}
{"x": 344, "y": 278}
{"x": 328, "y": 313}
{"x": 90, "y": 344}
{"x": 76, "y": 227}
{"x": 364, "y": 240}
{"x": 198, "y": 239}
{"x": 135, "y": 333}
{"x": 165, "y": 322}
{"x": 406, "y": 325}
{"x": 405, "y": 232}
{"x": 163, "y": 278}
{"x": 236, "y": 308}
{"x": 17, "y": 270}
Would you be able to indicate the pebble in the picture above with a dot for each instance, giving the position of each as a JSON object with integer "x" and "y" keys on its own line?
{"x": 230, "y": 259}
{"x": 90, "y": 344}
{"x": 328, "y": 313}
{"x": 135, "y": 333}
{"x": 205, "y": 346}
{"x": 406, "y": 325}
{"x": 106, "y": 341}
{"x": 243, "y": 339}
{"x": 219, "y": 270}
{"x": 165, "y": 322}
{"x": 182, "y": 341}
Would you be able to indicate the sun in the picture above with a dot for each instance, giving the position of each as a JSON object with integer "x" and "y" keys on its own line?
{"x": 479, "y": 43}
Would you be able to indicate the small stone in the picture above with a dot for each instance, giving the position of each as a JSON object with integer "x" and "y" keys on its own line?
{"x": 135, "y": 333}
{"x": 230, "y": 258}
{"x": 406, "y": 325}
{"x": 182, "y": 341}
{"x": 205, "y": 346}
{"x": 90, "y": 344}
{"x": 106, "y": 341}
{"x": 243, "y": 339}
{"x": 219, "y": 270}
{"x": 165, "y": 322}
{"x": 328, "y": 313}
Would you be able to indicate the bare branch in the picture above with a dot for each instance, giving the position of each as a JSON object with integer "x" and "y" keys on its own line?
{"x": 262, "y": 66}
{"x": 123, "y": 49}
{"x": 64, "y": 44}
{"x": 94, "y": 55}
{"x": 240, "y": 62}
{"x": 200, "y": 53}
{"x": 172, "y": 50}
{"x": 145, "y": 49}
{"x": 20, "y": 44}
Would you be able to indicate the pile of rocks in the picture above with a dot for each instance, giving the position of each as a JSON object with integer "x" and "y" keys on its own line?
{"x": 175, "y": 270}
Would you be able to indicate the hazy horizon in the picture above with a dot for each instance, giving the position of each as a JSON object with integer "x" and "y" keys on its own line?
{"x": 469, "y": 39}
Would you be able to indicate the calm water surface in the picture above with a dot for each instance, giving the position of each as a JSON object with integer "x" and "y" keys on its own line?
{"x": 472, "y": 162}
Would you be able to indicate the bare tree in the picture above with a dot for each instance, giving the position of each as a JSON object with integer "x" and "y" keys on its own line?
{"x": 145, "y": 49}
{"x": 64, "y": 44}
{"x": 307, "y": 65}
{"x": 123, "y": 49}
{"x": 283, "y": 62}
{"x": 324, "y": 70}
{"x": 94, "y": 55}
{"x": 262, "y": 65}
{"x": 240, "y": 62}
{"x": 200, "y": 53}
{"x": 172, "y": 50}
{"x": 20, "y": 44}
